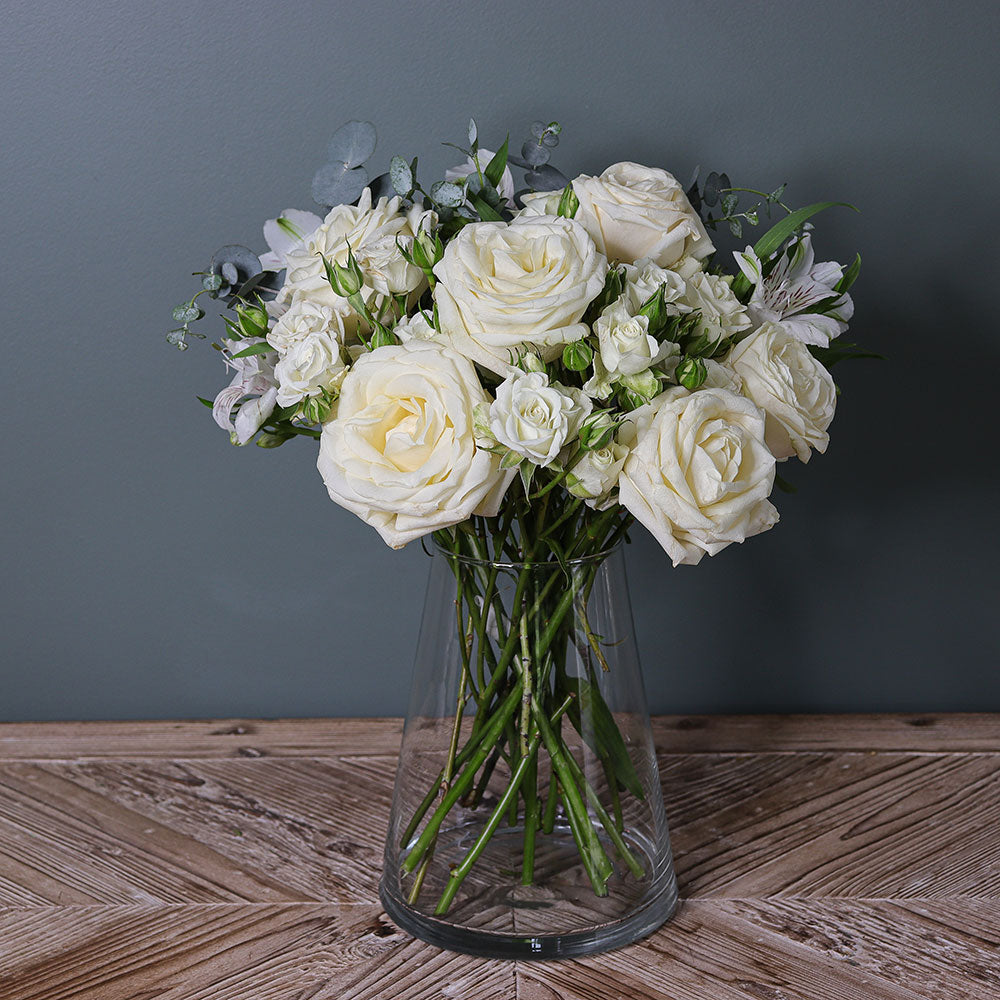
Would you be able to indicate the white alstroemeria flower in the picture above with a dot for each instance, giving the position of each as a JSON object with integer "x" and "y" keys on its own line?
{"x": 254, "y": 377}
{"x": 535, "y": 419}
{"x": 625, "y": 344}
{"x": 794, "y": 284}
{"x": 506, "y": 186}
{"x": 286, "y": 233}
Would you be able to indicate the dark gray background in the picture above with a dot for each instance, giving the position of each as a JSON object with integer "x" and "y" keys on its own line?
{"x": 152, "y": 570}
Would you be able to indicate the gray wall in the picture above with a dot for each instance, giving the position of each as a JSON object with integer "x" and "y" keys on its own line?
{"x": 152, "y": 570}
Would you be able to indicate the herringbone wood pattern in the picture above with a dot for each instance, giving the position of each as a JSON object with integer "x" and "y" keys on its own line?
{"x": 819, "y": 857}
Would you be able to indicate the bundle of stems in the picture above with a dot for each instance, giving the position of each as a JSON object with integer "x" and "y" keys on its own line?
{"x": 523, "y": 580}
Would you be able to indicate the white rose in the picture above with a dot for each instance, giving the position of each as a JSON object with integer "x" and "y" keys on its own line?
{"x": 400, "y": 451}
{"x": 634, "y": 212}
{"x": 644, "y": 278}
{"x": 536, "y": 419}
{"x": 302, "y": 320}
{"x": 595, "y": 475}
{"x": 699, "y": 473}
{"x": 415, "y": 327}
{"x": 722, "y": 314}
{"x": 309, "y": 366}
{"x": 540, "y": 203}
{"x": 795, "y": 391}
{"x": 626, "y": 347}
{"x": 369, "y": 231}
{"x": 721, "y": 376}
{"x": 503, "y": 286}
{"x": 506, "y": 187}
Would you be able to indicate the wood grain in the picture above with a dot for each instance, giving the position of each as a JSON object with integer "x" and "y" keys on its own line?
{"x": 820, "y": 858}
{"x": 684, "y": 734}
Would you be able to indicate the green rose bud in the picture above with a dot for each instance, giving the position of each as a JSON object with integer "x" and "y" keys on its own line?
{"x": 382, "y": 337}
{"x": 568, "y": 202}
{"x": 531, "y": 362}
{"x": 578, "y": 355}
{"x": 691, "y": 372}
{"x": 597, "y": 430}
{"x": 253, "y": 321}
{"x": 645, "y": 384}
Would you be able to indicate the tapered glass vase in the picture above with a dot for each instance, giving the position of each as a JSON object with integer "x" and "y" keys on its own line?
{"x": 527, "y": 817}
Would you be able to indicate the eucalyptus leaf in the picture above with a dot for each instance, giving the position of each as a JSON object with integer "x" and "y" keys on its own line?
{"x": 338, "y": 184}
{"x": 736, "y": 227}
{"x": 473, "y": 132}
{"x": 448, "y": 194}
{"x": 534, "y": 154}
{"x": 187, "y": 313}
{"x": 538, "y": 129}
{"x": 710, "y": 193}
{"x": 729, "y": 202}
{"x": 381, "y": 187}
{"x": 546, "y": 178}
{"x": 234, "y": 264}
{"x": 400, "y": 175}
{"x": 352, "y": 144}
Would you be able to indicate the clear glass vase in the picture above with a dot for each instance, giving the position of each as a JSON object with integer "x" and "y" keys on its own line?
{"x": 527, "y": 817}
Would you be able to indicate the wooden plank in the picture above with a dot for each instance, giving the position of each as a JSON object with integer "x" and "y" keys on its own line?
{"x": 917, "y": 733}
{"x": 688, "y": 734}
{"x": 784, "y": 950}
{"x": 231, "y": 952}
{"x": 884, "y": 825}
{"x": 197, "y": 739}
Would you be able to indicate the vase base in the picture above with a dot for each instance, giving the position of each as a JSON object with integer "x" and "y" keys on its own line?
{"x": 557, "y": 917}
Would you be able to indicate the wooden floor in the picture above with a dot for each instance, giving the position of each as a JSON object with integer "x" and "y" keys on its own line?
{"x": 820, "y": 858}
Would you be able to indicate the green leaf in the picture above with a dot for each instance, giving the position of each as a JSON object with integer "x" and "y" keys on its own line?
{"x": 527, "y": 470}
{"x": 511, "y": 459}
{"x": 207, "y": 402}
{"x": 495, "y": 168}
{"x": 736, "y": 227}
{"x": 775, "y": 237}
{"x": 729, "y": 202}
{"x": 603, "y": 736}
{"x": 784, "y": 485}
{"x": 486, "y": 211}
{"x": 247, "y": 352}
{"x": 849, "y": 276}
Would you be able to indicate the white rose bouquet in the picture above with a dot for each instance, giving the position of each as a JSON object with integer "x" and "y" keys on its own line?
{"x": 523, "y": 374}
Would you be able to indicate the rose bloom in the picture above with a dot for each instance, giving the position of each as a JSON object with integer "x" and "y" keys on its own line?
{"x": 309, "y": 366}
{"x": 400, "y": 450}
{"x": 625, "y": 344}
{"x": 795, "y": 391}
{"x": 302, "y": 320}
{"x": 699, "y": 473}
{"x": 368, "y": 230}
{"x": 535, "y": 419}
{"x": 595, "y": 475}
{"x": 635, "y": 212}
{"x": 503, "y": 286}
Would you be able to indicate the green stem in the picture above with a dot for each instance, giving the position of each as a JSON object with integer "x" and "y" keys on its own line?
{"x": 490, "y": 736}
{"x": 602, "y": 814}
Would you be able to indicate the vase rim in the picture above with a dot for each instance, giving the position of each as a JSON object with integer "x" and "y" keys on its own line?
{"x": 588, "y": 560}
